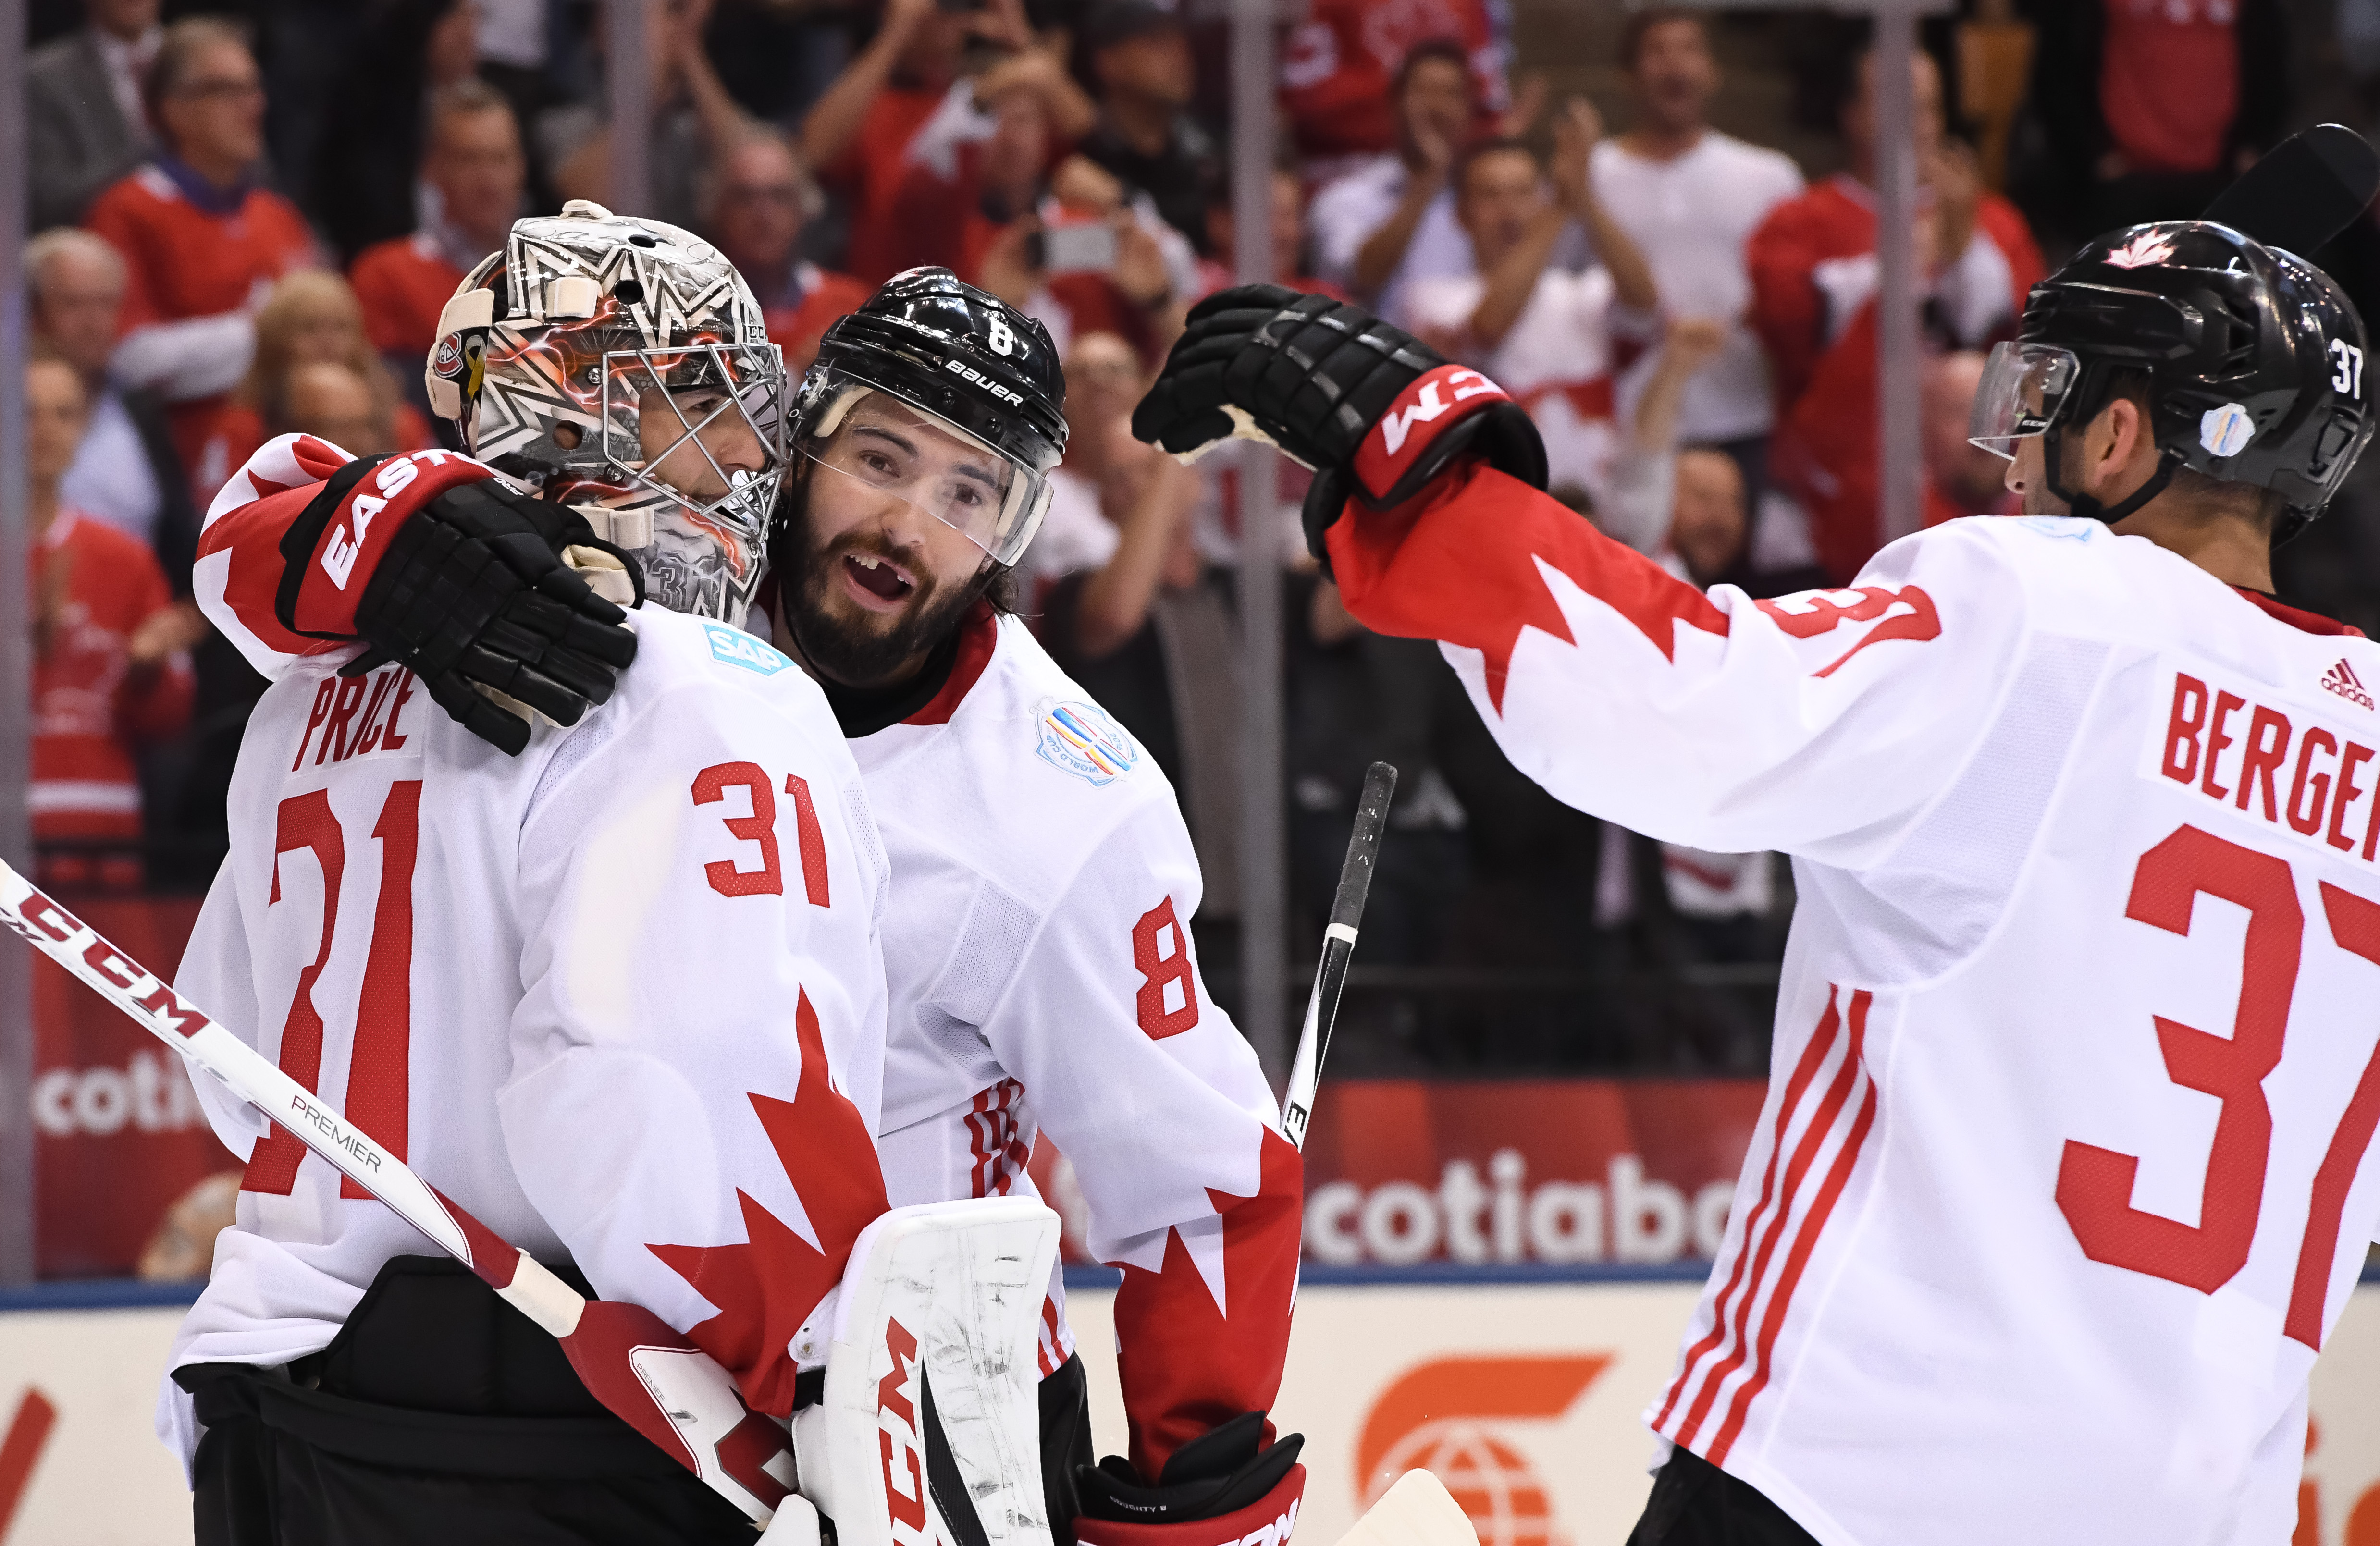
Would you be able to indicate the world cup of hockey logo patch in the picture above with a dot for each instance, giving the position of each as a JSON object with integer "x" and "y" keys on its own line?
{"x": 1080, "y": 738}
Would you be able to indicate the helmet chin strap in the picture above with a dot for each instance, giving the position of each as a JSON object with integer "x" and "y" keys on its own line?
{"x": 2084, "y": 505}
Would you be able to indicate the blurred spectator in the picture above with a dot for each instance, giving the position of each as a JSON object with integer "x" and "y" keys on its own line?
{"x": 1136, "y": 625}
{"x": 314, "y": 319}
{"x": 1390, "y": 220}
{"x": 1688, "y": 197}
{"x": 2145, "y": 109}
{"x": 1139, "y": 62}
{"x": 693, "y": 119}
{"x": 1346, "y": 65}
{"x": 1707, "y": 523}
{"x": 109, "y": 667}
{"x": 84, "y": 123}
{"x": 475, "y": 168}
{"x": 124, "y": 472}
{"x": 330, "y": 402}
{"x": 203, "y": 243}
{"x": 1290, "y": 264}
{"x": 1814, "y": 278}
{"x": 380, "y": 122}
{"x": 1541, "y": 332}
{"x": 1961, "y": 478}
{"x": 754, "y": 208}
{"x": 902, "y": 108}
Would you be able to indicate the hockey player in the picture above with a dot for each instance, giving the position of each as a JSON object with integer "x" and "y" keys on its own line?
{"x": 2064, "y": 1171}
{"x": 1037, "y": 938}
{"x": 619, "y": 995}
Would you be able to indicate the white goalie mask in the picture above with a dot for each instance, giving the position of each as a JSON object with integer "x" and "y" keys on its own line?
{"x": 621, "y": 366}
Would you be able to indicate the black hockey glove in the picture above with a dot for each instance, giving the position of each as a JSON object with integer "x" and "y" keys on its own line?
{"x": 1374, "y": 411}
{"x": 462, "y": 586}
{"x": 1220, "y": 1472}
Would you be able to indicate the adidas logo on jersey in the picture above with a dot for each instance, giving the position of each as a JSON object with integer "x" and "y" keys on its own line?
{"x": 2341, "y": 679}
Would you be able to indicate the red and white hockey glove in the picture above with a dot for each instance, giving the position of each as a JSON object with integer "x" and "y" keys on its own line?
{"x": 1374, "y": 411}
{"x": 441, "y": 565}
{"x": 1221, "y": 1489}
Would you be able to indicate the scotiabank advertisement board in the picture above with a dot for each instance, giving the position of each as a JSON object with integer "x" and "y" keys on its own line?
{"x": 1523, "y": 1399}
{"x": 1400, "y": 1172}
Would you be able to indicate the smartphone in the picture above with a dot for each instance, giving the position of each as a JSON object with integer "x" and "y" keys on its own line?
{"x": 1089, "y": 247}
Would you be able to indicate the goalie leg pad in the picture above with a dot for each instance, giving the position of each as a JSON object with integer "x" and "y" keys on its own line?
{"x": 928, "y": 1433}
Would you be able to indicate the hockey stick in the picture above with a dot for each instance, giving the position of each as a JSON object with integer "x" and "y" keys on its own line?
{"x": 1337, "y": 945}
{"x": 1416, "y": 1510}
{"x": 2303, "y": 191}
{"x": 662, "y": 1384}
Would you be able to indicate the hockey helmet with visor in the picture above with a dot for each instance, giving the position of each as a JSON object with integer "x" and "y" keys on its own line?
{"x": 2252, "y": 360}
{"x": 980, "y": 377}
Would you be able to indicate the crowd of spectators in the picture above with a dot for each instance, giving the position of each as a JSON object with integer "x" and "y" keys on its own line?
{"x": 248, "y": 225}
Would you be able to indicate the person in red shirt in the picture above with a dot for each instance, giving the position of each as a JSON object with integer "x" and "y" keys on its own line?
{"x": 1814, "y": 278}
{"x": 759, "y": 199}
{"x": 902, "y": 107}
{"x": 476, "y": 168}
{"x": 109, "y": 664}
{"x": 1340, "y": 66}
{"x": 201, "y": 241}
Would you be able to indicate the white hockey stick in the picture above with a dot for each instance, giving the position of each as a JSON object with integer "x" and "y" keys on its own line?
{"x": 1337, "y": 945}
{"x": 661, "y": 1384}
{"x": 1416, "y": 1510}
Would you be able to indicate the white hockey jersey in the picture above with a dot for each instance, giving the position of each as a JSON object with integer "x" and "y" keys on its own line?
{"x": 621, "y": 997}
{"x": 1041, "y": 975}
{"x": 2065, "y": 1170}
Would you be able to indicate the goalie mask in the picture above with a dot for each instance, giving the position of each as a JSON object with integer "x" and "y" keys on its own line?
{"x": 622, "y": 366}
{"x": 2253, "y": 358}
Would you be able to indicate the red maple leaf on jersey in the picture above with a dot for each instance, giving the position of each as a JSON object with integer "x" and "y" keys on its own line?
{"x": 1459, "y": 564}
{"x": 767, "y": 1287}
{"x": 1187, "y": 1364}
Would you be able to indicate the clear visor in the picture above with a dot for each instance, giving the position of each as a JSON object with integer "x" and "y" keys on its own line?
{"x": 704, "y": 425}
{"x": 2023, "y": 386}
{"x": 883, "y": 448}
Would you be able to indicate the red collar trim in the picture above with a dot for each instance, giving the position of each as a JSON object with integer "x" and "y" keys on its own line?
{"x": 2304, "y": 622}
{"x": 977, "y": 636}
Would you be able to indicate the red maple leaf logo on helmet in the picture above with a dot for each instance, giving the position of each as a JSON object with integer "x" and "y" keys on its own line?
{"x": 2149, "y": 247}
{"x": 766, "y": 1287}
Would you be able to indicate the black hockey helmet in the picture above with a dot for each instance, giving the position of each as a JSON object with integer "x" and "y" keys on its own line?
{"x": 966, "y": 358}
{"x": 2254, "y": 359}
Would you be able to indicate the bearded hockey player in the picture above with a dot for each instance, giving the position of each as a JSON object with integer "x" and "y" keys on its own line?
{"x": 621, "y": 995}
{"x": 1037, "y": 937}
{"x": 2063, "y": 1174}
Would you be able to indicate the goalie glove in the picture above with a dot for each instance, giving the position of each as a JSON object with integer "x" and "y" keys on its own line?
{"x": 1372, "y": 410}
{"x": 1218, "y": 1490}
{"x": 450, "y": 570}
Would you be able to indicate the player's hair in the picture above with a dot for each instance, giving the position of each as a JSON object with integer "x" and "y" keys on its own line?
{"x": 1640, "y": 25}
{"x": 60, "y": 241}
{"x": 468, "y": 95}
{"x": 2248, "y": 501}
{"x": 182, "y": 44}
{"x": 1459, "y": 179}
{"x": 1449, "y": 50}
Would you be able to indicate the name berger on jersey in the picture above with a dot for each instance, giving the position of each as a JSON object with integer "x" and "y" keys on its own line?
{"x": 2282, "y": 767}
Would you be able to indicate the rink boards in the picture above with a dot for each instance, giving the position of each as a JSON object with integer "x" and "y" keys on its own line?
{"x": 1523, "y": 1394}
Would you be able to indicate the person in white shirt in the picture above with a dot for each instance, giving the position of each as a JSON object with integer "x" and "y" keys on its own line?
{"x": 1545, "y": 333}
{"x": 1391, "y": 221}
{"x": 1689, "y": 197}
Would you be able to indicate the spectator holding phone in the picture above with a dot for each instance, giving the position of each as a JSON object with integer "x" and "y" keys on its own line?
{"x": 110, "y": 670}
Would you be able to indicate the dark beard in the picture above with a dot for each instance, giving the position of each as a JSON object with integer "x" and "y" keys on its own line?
{"x": 862, "y": 651}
